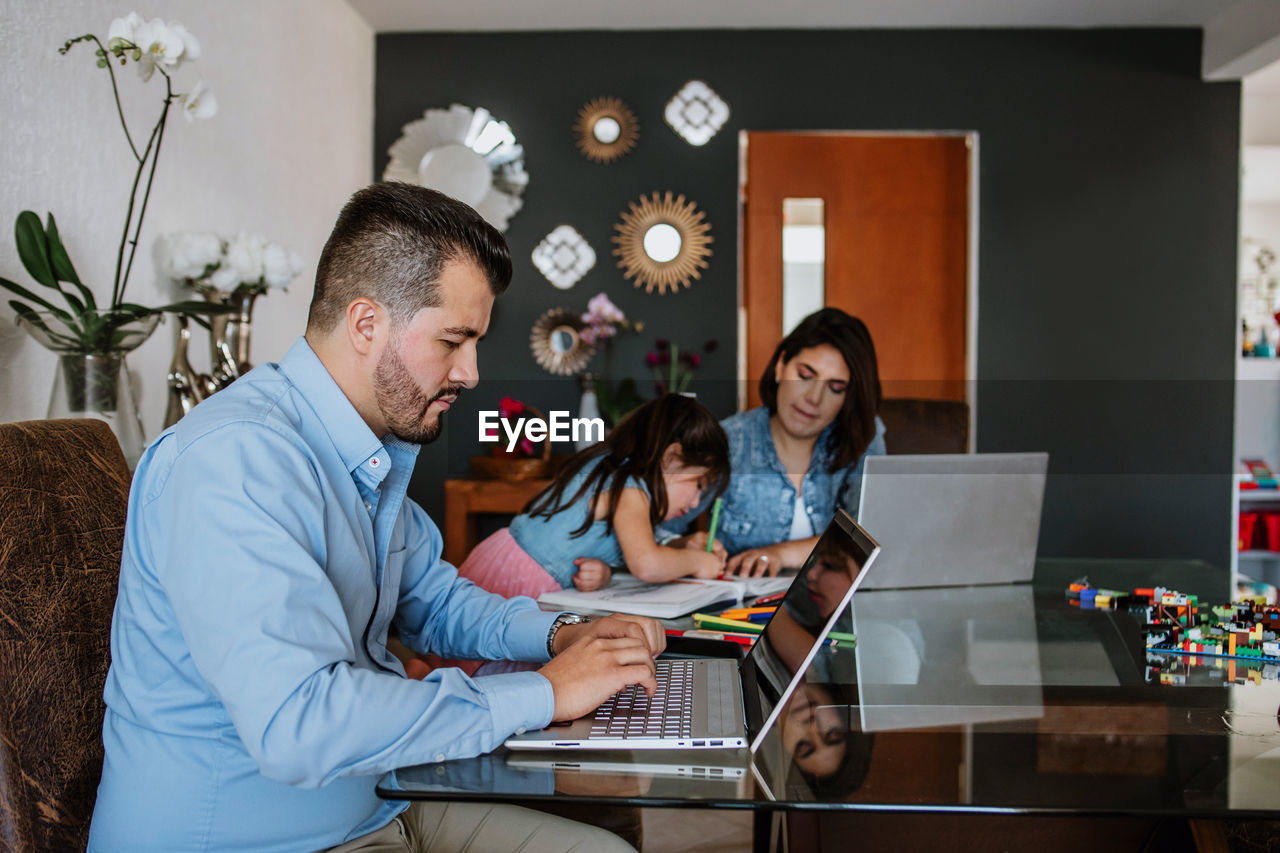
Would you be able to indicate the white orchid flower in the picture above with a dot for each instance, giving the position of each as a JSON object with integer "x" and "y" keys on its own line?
{"x": 190, "y": 47}
{"x": 124, "y": 29}
{"x": 161, "y": 47}
{"x": 199, "y": 103}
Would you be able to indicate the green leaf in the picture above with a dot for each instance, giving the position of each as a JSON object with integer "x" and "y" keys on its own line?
{"x": 62, "y": 266}
{"x": 63, "y": 269}
{"x": 32, "y": 248}
{"x": 14, "y": 287}
{"x": 28, "y": 315}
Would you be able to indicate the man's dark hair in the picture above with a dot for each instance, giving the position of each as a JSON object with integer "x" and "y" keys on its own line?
{"x": 390, "y": 243}
{"x": 855, "y": 425}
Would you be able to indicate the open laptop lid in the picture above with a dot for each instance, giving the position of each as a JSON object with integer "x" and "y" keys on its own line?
{"x": 816, "y": 598}
{"x": 954, "y": 519}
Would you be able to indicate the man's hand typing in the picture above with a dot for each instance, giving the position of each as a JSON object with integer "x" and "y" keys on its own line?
{"x": 593, "y": 660}
{"x": 593, "y": 669}
{"x": 648, "y": 631}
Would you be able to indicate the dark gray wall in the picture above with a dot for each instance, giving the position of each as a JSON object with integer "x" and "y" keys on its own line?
{"x": 1107, "y": 181}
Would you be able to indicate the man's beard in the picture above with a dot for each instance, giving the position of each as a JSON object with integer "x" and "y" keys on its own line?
{"x": 403, "y": 404}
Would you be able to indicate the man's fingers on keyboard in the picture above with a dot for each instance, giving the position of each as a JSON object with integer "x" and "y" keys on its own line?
{"x": 640, "y": 674}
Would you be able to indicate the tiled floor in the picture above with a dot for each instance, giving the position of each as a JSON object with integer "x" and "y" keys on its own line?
{"x": 697, "y": 831}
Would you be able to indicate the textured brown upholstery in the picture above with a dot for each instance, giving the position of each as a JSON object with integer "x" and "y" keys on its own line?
{"x": 925, "y": 426}
{"x": 64, "y": 487}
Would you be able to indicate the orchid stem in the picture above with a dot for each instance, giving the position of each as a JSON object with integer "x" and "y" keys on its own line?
{"x": 146, "y": 194}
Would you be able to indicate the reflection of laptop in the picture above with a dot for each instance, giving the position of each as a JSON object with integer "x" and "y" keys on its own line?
{"x": 705, "y": 702}
{"x": 946, "y": 657}
{"x": 683, "y": 769}
{"x": 953, "y": 519}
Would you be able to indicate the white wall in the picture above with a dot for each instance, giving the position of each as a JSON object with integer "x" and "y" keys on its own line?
{"x": 291, "y": 141}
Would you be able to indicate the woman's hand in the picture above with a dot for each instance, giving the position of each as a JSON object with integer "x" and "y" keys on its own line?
{"x": 698, "y": 542}
{"x": 755, "y": 562}
{"x": 591, "y": 574}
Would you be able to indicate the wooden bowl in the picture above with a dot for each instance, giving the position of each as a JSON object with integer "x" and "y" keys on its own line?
{"x": 501, "y": 465}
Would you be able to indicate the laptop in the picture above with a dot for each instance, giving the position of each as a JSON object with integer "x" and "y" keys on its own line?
{"x": 953, "y": 519}
{"x": 728, "y": 704}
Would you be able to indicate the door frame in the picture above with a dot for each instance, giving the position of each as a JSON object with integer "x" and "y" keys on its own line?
{"x": 971, "y": 138}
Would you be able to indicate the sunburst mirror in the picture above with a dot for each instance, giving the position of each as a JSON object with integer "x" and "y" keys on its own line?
{"x": 605, "y": 130}
{"x": 663, "y": 242}
{"x": 557, "y": 344}
{"x": 464, "y": 153}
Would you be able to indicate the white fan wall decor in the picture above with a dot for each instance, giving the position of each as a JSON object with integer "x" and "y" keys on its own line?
{"x": 464, "y": 153}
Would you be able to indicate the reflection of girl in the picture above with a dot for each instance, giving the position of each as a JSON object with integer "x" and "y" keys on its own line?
{"x": 799, "y": 456}
{"x": 810, "y": 603}
{"x": 826, "y": 756}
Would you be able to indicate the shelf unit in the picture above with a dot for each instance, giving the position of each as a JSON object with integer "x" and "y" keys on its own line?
{"x": 1259, "y": 564}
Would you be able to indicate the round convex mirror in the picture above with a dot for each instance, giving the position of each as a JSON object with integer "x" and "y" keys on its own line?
{"x": 557, "y": 344}
{"x": 563, "y": 339}
{"x": 662, "y": 243}
{"x": 606, "y": 130}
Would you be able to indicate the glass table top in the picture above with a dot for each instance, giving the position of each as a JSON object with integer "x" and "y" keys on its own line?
{"x": 983, "y": 699}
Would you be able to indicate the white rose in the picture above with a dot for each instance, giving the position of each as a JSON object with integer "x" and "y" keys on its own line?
{"x": 183, "y": 255}
{"x": 280, "y": 265}
{"x": 197, "y": 252}
{"x": 224, "y": 278}
{"x": 161, "y": 47}
{"x": 244, "y": 255}
{"x": 199, "y": 103}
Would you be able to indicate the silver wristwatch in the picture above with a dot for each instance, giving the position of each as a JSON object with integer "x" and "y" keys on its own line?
{"x": 562, "y": 620}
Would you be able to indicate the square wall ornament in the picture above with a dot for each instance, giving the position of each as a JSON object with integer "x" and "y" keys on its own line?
{"x": 564, "y": 256}
{"x": 696, "y": 112}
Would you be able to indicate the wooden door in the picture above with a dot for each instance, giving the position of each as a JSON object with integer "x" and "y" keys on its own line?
{"x": 896, "y": 220}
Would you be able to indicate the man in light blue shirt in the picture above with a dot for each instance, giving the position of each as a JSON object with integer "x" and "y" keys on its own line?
{"x": 252, "y": 702}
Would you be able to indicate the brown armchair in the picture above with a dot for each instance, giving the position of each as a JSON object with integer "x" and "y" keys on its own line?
{"x": 64, "y": 489}
{"x": 925, "y": 426}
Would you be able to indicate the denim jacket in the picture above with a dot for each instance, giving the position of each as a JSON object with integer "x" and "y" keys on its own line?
{"x": 760, "y": 501}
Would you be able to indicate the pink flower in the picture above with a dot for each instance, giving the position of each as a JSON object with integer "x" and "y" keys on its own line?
{"x": 526, "y": 447}
{"x": 588, "y": 335}
{"x": 600, "y": 309}
{"x": 651, "y": 359}
{"x": 509, "y": 407}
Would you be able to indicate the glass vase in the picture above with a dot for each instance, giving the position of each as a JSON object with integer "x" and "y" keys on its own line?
{"x": 92, "y": 379}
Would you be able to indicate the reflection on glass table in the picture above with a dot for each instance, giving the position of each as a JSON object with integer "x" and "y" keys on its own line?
{"x": 967, "y": 700}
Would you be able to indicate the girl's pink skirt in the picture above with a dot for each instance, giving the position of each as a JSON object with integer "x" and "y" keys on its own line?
{"x": 498, "y": 565}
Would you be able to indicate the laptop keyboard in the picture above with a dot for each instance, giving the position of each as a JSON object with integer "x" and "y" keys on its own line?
{"x": 632, "y": 714}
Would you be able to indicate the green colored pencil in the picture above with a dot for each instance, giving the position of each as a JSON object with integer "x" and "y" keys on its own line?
{"x": 715, "y": 522}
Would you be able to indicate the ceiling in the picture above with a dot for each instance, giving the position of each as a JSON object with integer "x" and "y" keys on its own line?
{"x": 438, "y": 15}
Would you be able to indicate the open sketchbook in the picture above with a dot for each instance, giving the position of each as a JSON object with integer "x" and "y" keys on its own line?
{"x": 627, "y": 594}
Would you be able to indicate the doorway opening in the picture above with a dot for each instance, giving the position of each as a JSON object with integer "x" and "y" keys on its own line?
{"x": 881, "y": 225}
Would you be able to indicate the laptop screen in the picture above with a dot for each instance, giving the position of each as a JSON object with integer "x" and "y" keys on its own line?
{"x": 813, "y": 603}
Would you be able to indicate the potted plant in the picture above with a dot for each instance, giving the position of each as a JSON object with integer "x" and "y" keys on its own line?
{"x": 92, "y": 336}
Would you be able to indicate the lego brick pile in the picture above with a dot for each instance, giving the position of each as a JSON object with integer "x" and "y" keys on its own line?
{"x": 1178, "y": 623}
